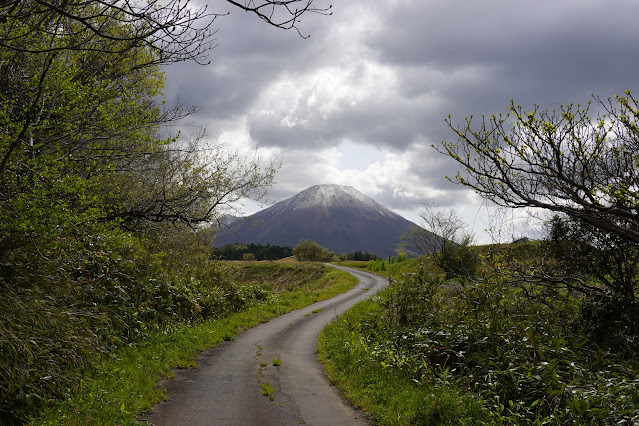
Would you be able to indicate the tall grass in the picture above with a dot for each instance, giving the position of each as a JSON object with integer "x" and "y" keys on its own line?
{"x": 500, "y": 355}
{"x": 119, "y": 388}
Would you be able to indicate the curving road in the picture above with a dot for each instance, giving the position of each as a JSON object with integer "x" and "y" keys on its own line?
{"x": 227, "y": 388}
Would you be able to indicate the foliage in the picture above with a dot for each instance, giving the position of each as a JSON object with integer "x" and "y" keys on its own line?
{"x": 583, "y": 249}
{"x": 358, "y": 256}
{"x": 376, "y": 265}
{"x": 458, "y": 260}
{"x": 311, "y": 251}
{"x": 381, "y": 265}
{"x": 104, "y": 394}
{"x": 527, "y": 353}
{"x": 98, "y": 207}
{"x": 56, "y": 323}
{"x": 365, "y": 367}
{"x": 442, "y": 234}
{"x": 174, "y": 30}
{"x": 259, "y": 251}
{"x": 564, "y": 161}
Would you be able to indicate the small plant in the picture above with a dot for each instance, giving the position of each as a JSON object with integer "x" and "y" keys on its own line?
{"x": 377, "y": 265}
{"x": 267, "y": 390}
{"x": 277, "y": 362}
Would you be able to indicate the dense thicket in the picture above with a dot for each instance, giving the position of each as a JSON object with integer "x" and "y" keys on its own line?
{"x": 255, "y": 252}
{"x": 98, "y": 205}
{"x": 430, "y": 350}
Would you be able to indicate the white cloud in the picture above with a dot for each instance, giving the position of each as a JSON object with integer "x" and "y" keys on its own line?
{"x": 361, "y": 100}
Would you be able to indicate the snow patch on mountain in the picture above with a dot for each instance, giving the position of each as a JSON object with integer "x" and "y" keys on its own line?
{"x": 337, "y": 217}
{"x": 328, "y": 196}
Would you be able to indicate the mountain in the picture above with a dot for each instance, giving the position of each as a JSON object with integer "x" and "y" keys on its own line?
{"x": 339, "y": 218}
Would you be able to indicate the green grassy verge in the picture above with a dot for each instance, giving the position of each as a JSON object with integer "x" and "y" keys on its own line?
{"x": 366, "y": 372}
{"x": 388, "y": 269}
{"x": 122, "y": 387}
{"x": 433, "y": 351}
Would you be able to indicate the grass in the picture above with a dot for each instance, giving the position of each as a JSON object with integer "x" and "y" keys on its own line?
{"x": 395, "y": 269}
{"x": 267, "y": 390}
{"x": 434, "y": 351}
{"x": 390, "y": 397}
{"x": 125, "y": 385}
{"x": 277, "y": 362}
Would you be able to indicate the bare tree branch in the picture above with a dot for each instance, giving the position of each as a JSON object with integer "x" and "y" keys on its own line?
{"x": 281, "y": 14}
{"x": 562, "y": 161}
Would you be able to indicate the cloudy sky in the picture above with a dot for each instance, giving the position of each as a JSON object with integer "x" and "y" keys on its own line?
{"x": 361, "y": 101}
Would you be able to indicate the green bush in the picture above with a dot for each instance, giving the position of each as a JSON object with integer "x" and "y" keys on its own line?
{"x": 308, "y": 250}
{"x": 458, "y": 260}
{"x": 90, "y": 297}
{"x": 376, "y": 265}
{"x": 527, "y": 358}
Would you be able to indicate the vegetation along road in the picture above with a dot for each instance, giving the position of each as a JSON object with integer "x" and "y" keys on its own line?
{"x": 269, "y": 375}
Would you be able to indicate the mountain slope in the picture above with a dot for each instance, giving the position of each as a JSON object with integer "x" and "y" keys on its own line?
{"x": 337, "y": 217}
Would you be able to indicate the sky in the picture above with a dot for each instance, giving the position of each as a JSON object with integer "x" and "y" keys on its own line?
{"x": 361, "y": 101}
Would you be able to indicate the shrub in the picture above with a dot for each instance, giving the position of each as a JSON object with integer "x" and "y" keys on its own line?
{"x": 376, "y": 265}
{"x": 86, "y": 299}
{"x": 311, "y": 251}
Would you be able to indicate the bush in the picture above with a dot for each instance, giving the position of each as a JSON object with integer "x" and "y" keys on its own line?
{"x": 376, "y": 265}
{"x": 458, "y": 260}
{"x": 248, "y": 256}
{"x": 308, "y": 250}
{"x": 90, "y": 297}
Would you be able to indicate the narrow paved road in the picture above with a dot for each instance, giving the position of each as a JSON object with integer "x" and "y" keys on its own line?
{"x": 226, "y": 389}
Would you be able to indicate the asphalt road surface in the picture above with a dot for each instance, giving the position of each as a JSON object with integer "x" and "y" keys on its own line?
{"x": 227, "y": 388}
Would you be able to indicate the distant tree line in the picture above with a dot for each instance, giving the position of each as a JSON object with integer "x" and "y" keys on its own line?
{"x": 358, "y": 255}
{"x": 258, "y": 252}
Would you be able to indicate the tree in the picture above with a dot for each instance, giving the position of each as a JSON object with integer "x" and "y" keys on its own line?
{"x": 173, "y": 30}
{"x": 584, "y": 250}
{"x": 563, "y": 161}
{"x": 187, "y": 184}
{"x": 442, "y": 234}
{"x": 95, "y": 203}
{"x": 80, "y": 82}
{"x": 284, "y": 14}
{"x": 313, "y": 252}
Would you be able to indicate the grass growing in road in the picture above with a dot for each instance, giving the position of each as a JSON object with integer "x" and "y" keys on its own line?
{"x": 267, "y": 390}
{"x": 123, "y": 386}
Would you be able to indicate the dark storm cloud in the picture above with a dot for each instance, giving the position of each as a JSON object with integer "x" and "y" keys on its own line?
{"x": 249, "y": 54}
{"x": 543, "y": 49}
{"x": 371, "y": 124}
{"x": 387, "y": 76}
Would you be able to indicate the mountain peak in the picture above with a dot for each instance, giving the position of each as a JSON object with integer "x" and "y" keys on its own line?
{"x": 329, "y": 196}
{"x": 338, "y": 217}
